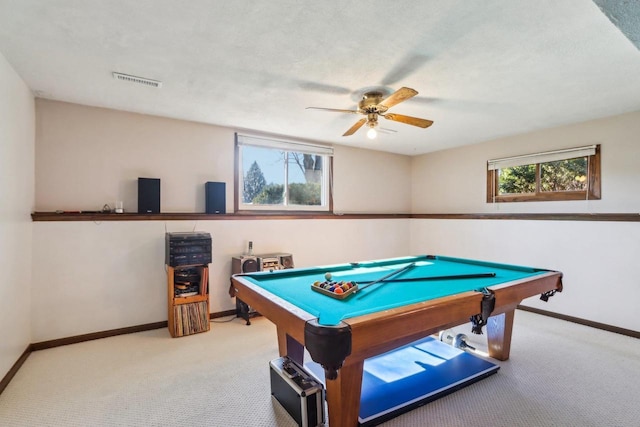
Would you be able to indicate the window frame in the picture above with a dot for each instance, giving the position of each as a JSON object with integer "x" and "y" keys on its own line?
{"x": 592, "y": 192}
{"x": 277, "y": 144}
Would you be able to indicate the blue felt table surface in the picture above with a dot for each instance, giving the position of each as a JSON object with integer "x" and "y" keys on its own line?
{"x": 294, "y": 285}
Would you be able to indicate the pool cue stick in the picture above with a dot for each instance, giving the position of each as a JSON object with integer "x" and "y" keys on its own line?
{"x": 454, "y": 277}
{"x": 381, "y": 280}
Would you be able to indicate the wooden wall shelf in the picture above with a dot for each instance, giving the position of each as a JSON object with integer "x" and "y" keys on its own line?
{"x": 624, "y": 217}
{"x": 97, "y": 217}
{"x": 53, "y": 216}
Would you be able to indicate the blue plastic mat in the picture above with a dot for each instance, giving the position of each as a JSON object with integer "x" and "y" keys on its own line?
{"x": 411, "y": 376}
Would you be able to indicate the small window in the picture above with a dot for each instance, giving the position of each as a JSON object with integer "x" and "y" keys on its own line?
{"x": 571, "y": 174}
{"x": 282, "y": 175}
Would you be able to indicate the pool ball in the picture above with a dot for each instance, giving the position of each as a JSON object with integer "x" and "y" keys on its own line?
{"x": 327, "y": 276}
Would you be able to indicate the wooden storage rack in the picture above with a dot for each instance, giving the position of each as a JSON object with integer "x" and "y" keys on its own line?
{"x": 188, "y": 314}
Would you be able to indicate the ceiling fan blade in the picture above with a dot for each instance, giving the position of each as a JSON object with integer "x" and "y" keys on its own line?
{"x": 355, "y": 127}
{"x": 336, "y": 110}
{"x": 398, "y": 96}
{"x": 414, "y": 121}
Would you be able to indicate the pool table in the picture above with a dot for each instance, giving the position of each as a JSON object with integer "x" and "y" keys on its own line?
{"x": 422, "y": 295}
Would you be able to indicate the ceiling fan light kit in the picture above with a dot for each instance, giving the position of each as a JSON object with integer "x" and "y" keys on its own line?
{"x": 372, "y": 105}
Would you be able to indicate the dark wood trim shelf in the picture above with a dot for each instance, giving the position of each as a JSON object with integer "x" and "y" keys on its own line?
{"x": 244, "y": 216}
{"x": 620, "y": 217}
{"x": 52, "y": 216}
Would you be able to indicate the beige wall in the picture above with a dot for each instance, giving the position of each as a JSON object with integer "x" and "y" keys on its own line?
{"x": 454, "y": 181}
{"x": 17, "y": 128}
{"x": 371, "y": 181}
{"x": 90, "y": 277}
{"x": 86, "y": 157}
{"x": 596, "y": 258}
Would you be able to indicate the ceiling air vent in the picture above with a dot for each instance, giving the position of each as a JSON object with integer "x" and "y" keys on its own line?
{"x": 134, "y": 79}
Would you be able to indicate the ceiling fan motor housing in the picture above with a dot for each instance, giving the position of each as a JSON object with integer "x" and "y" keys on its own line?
{"x": 370, "y": 103}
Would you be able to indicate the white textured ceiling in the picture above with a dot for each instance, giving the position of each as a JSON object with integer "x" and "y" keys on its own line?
{"x": 483, "y": 69}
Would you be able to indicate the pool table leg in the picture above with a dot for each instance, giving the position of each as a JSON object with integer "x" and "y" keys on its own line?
{"x": 343, "y": 395}
{"x": 499, "y": 330}
{"x": 287, "y": 346}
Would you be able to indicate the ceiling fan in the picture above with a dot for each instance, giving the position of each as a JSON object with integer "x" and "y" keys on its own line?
{"x": 372, "y": 105}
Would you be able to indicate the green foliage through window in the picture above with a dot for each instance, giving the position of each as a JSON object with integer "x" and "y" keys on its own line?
{"x": 272, "y": 194}
{"x": 562, "y": 175}
{"x": 517, "y": 180}
{"x": 565, "y": 174}
{"x": 309, "y": 193}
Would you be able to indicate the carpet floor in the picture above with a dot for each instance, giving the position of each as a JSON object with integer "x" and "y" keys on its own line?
{"x": 559, "y": 374}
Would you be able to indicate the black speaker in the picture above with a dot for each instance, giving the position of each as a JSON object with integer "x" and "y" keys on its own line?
{"x": 148, "y": 195}
{"x": 215, "y": 197}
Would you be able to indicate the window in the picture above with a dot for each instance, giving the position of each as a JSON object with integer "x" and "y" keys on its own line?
{"x": 282, "y": 175}
{"x": 570, "y": 174}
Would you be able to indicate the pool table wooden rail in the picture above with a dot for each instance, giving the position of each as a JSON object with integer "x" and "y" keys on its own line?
{"x": 376, "y": 333}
